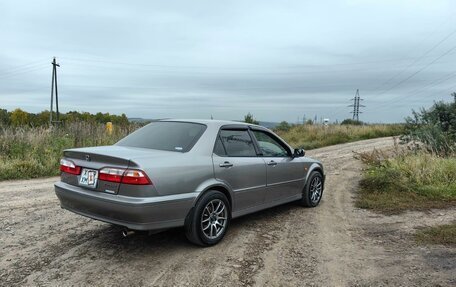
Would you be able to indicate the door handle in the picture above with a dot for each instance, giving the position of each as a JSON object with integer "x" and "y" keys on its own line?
{"x": 226, "y": 164}
{"x": 272, "y": 163}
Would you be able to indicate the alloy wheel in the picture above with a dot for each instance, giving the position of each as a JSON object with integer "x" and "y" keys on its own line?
{"x": 316, "y": 188}
{"x": 214, "y": 218}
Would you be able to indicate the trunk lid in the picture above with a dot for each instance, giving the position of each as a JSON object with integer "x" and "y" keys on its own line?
{"x": 96, "y": 158}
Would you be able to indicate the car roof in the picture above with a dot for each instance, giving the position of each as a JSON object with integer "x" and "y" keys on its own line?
{"x": 217, "y": 123}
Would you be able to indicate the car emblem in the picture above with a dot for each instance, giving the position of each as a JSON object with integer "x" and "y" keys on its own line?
{"x": 87, "y": 157}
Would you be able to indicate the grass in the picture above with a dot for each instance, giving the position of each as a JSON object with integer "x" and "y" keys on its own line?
{"x": 409, "y": 181}
{"x": 442, "y": 234}
{"x": 35, "y": 152}
{"x": 315, "y": 136}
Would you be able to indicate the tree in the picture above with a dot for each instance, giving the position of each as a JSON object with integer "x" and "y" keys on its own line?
{"x": 42, "y": 118}
{"x": 123, "y": 120}
{"x": 19, "y": 117}
{"x": 351, "y": 122}
{"x": 250, "y": 120}
{"x": 283, "y": 126}
{"x": 4, "y": 117}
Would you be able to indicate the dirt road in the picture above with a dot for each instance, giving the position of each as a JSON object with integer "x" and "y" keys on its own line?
{"x": 334, "y": 244}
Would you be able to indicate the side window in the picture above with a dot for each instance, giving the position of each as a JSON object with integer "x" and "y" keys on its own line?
{"x": 219, "y": 149}
{"x": 237, "y": 143}
{"x": 269, "y": 146}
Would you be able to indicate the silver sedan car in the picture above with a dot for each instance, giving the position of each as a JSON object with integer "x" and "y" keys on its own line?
{"x": 193, "y": 173}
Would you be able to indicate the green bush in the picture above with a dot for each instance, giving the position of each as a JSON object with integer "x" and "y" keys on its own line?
{"x": 435, "y": 128}
{"x": 283, "y": 126}
{"x": 351, "y": 122}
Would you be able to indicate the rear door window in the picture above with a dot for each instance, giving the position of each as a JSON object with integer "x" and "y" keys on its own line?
{"x": 237, "y": 143}
{"x": 219, "y": 149}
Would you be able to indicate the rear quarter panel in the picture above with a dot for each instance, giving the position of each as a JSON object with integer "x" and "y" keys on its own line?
{"x": 182, "y": 173}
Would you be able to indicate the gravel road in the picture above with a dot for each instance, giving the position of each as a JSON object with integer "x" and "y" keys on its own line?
{"x": 334, "y": 244}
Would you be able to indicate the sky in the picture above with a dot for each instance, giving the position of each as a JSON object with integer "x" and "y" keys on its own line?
{"x": 279, "y": 60}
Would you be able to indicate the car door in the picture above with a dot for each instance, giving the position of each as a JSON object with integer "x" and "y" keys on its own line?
{"x": 236, "y": 163}
{"x": 284, "y": 174}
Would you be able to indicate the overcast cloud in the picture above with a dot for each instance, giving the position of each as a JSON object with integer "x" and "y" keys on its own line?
{"x": 279, "y": 60}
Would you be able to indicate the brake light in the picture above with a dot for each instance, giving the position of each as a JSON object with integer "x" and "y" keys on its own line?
{"x": 127, "y": 176}
{"x": 69, "y": 167}
{"x": 133, "y": 176}
{"x": 111, "y": 174}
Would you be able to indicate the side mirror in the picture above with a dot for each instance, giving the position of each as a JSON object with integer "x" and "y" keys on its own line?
{"x": 298, "y": 152}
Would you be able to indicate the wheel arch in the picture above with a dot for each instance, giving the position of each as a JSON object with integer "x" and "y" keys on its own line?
{"x": 223, "y": 190}
{"x": 218, "y": 186}
{"x": 318, "y": 168}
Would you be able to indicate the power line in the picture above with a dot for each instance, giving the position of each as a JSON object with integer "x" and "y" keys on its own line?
{"x": 23, "y": 71}
{"x": 227, "y": 67}
{"x": 399, "y": 98}
{"x": 23, "y": 67}
{"x": 418, "y": 71}
{"x": 418, "y": 59}
{"x": 260, "y": 70}
{"x": 232, "y": 70}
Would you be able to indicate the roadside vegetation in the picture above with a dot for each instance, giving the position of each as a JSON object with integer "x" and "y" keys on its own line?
{"x": 408, "y": 181}
{"x": 27, "y": 152}
{"x": 29, "y": 148}
{"x": 419, "y": 175}
{"x": 311, "y": 136}
{"x": 442, "y": 234}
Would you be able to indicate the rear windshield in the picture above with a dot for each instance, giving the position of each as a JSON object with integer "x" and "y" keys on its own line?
{"x": 170, "y": 136}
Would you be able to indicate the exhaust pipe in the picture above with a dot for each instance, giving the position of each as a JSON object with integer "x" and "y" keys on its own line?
{"x": 127, "y": 232}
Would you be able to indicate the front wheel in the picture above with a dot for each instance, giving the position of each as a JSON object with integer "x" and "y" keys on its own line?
{"x": 207, "y": 223}
{"x": 313, "y": 190}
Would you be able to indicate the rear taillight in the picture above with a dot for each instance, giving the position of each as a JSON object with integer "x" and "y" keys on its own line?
{"x": 127, "y": 176}
{"x": 133, "y": 176}
{"x": 111, "y": 174}
{"x": 69, "y": 167}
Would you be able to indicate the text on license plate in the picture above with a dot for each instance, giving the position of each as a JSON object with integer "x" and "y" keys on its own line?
{"x": 88, "y": 177}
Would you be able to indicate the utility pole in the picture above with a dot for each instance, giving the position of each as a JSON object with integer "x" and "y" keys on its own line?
{"x": 54, "y": 86}
{"x": 356, "y": 105}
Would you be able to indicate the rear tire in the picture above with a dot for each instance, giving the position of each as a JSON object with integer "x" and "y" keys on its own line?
{"x": 208, "y": 221}
{"x": 313, "y": 191}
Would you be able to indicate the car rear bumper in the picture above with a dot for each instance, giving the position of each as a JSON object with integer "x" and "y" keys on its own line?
{"x": 138, "y": 213}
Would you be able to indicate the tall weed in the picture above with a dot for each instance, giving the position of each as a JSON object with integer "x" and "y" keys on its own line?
{"x": 315, "y": 136}
{"x": 27, "y": 152}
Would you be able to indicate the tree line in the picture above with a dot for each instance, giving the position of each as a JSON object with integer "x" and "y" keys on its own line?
{"x": 20, "y": 117}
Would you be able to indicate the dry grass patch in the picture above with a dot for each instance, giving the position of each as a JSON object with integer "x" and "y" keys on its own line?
{"x": 27, "y": 152}
{"x": 442, "y": 234}
{"x": 408, "y": 181}
{"x": 315, "y": 136}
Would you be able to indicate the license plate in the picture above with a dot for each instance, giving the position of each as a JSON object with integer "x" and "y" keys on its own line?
{"x": 88, "y": 177}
